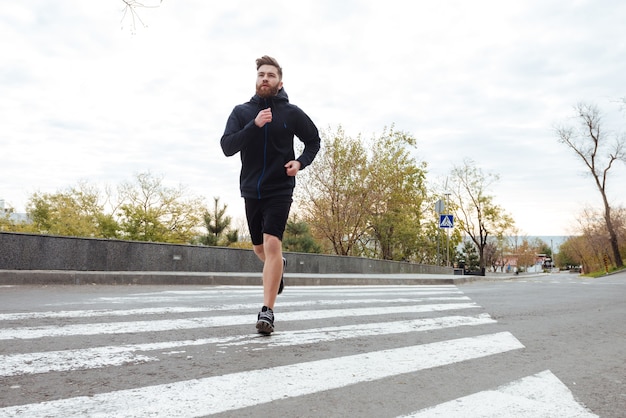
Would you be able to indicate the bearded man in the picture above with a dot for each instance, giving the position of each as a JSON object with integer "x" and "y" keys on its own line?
{"x": 262, "y": 131}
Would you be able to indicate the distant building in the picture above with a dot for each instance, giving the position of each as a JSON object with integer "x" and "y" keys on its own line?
{"x": 3, "y": 208}
{"x": 14, "y": 217}
{"x": 542, "y": 262}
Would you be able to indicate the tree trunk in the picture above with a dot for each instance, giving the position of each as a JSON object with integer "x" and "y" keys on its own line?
{"x": 612, "y": 235}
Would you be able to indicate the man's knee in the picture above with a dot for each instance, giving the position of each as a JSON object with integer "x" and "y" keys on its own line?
{"x": 272, "y": 243}
{"x": 259, "y": 251}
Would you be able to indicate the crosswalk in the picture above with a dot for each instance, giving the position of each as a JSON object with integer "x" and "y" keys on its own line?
{"x": 194, "y": 352}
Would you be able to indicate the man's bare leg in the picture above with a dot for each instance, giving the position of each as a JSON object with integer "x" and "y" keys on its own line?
{"x": 271, "y": 253}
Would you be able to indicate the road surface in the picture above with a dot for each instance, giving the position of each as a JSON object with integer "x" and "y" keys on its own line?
{"x": 546, "y": 346}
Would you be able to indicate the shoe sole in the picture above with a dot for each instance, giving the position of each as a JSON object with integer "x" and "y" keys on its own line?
{"x": 264, "y": 327}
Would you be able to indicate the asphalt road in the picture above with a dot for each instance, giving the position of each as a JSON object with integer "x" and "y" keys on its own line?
{"x": 575, "y": 327}
{"x": 545, "y": 346}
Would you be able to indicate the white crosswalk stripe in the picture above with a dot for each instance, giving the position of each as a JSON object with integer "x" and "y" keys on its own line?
{"x": 203, "y": 322}
{"x": 31, "y": 363}
{"x": 540, "y": 395}
{"x": 354, "y": 318}
{"x": 229, "y": 392}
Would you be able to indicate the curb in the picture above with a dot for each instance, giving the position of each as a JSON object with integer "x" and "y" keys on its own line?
{"x": 65, "y": 277}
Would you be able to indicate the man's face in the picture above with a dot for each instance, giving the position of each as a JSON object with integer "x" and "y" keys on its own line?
{"x": 267, "y": 81}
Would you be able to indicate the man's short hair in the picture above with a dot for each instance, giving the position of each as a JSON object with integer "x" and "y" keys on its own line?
{"x": 267, "y": 60}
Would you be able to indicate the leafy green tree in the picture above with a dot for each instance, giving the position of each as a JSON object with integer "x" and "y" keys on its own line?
{"x": 503, "y": 251}
{"x": 366, "y": 198}
{"x": 232, "y": 236}
{"x": 8, "y": 224}
{"x": 217, "y": 225}
{"x": 591, "y": 247}
{"x": 429, "y": 243}
{"x": 150, "y": 211}
{"x": 397, "y": 186}
{"x": 543, "y": 248}
{"x": 526, "y": 254}
{"x": 74, "y": 212}
{"x": 571, "y": 253}
{"x": 477, "y": 214}
{"x": 598, "y": 152}
{"x": 298, "y": 237}
{"x": 469, "y": 258}
{"x": 334, "y": 194}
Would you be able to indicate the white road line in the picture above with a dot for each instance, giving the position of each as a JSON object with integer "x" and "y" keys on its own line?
{"x": 239, "y": 390}
{"x": 333, "y": 289}
{"x": 214, "y": 321}
{"x": 90, "y": 358}
{"x": 18, "y": 316}
{"x": 540, "y": 395}
{"x": 161, "y": 297}
{"x": 317, "y": 335}
{"x": 94, "y": 313}
{"x": 371, "y": 289}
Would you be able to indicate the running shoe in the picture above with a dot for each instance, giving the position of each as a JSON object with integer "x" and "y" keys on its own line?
{"x": 265, "y": 321}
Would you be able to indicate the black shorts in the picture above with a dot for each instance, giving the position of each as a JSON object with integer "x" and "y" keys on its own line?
{"x": 267, "y": 216}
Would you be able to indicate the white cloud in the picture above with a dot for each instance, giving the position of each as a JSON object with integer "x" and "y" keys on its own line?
{"x": 83, "y": 98}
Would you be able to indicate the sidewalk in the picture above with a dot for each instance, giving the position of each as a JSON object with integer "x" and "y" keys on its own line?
{"x": 64, "y": 277}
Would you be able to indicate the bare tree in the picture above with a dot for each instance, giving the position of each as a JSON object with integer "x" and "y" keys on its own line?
{"x": 130, "y": 10}
{"x": 598, "y": 152}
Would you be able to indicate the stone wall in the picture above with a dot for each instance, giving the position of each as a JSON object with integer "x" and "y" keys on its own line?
{"x": 45, "y": 252}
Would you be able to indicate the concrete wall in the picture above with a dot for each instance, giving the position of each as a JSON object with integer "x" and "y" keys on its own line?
{"x": 45, "y": 252}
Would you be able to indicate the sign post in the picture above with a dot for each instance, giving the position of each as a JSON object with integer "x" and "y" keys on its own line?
{"x": 440, "y": 207}
{"x": 447, "y": 222}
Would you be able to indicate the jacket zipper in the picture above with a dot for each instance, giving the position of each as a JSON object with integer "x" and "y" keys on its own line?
{"x": 258, "y": 184}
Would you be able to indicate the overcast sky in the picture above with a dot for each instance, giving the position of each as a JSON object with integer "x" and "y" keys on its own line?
{"x": 83, "y": 98}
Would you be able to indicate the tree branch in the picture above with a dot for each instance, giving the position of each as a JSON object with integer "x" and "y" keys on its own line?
{"x": 130, "y": 8}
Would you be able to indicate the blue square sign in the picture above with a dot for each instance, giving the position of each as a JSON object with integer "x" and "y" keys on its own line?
{"x": 446, "y": 221}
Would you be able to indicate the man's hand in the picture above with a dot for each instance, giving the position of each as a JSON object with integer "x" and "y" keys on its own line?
{"x": 264, "y": 116}
{"x": 293, "y": 167}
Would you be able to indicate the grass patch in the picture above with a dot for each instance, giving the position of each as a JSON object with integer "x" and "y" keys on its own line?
{"x": 600, "y": 273}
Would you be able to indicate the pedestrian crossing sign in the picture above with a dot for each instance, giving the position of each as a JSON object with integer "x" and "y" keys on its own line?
{"x": 446, "y": 221}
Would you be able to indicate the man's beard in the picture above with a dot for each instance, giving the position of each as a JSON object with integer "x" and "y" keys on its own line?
{"x": 266, "y": 93}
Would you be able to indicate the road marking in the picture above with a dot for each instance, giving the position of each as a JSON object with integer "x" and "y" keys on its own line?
{"x": 540, "y": 395}
{"x": 91, "y": 358}
{"x": 214, "y": 321}
{"x": 239, "y": 390}
{"x": 176, "y": 297}
{"x": 95, "y": 313}
{"x": 317, "y": 335}
{"x": 237, "y": 291}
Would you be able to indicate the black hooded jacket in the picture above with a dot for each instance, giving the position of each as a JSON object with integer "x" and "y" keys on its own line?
{"x": 265, "y": 151}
